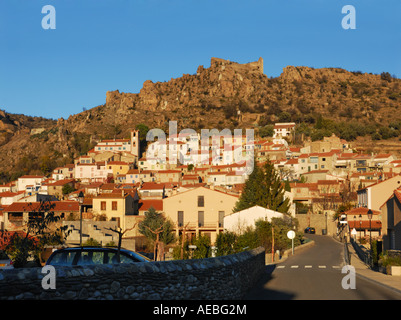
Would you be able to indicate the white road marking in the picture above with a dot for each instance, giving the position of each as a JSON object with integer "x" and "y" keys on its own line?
{"x": 307, "y": 267}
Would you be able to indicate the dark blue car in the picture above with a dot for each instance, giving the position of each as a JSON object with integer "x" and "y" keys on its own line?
{"x": 80, "y": 256}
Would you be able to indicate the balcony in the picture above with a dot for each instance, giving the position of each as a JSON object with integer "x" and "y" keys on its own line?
{"x": 201, "y": 226}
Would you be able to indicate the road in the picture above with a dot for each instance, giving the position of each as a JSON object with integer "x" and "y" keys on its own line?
{"x": 315, "y": 274}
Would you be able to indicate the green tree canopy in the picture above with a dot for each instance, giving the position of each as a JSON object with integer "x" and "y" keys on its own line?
{"x": 157, "y": 229}
{"x": 263, "y": 188}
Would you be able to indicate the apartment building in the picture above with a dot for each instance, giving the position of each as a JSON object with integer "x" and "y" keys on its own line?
{"x": 200, "y": 210}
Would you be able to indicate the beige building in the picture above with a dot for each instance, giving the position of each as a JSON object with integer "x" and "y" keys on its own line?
{"x": 168, "y": 176}
{"x": 119, "y": 167}
{"x": 373, "y": 196}
{"x": 116, "y": 206}
{"x": 391, "y": 218}
{"x": 327, "y": 144}
{"x": 200, "y": 211}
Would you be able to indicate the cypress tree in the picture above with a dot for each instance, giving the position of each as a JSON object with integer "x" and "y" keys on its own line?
{"x": 263, "y": 188}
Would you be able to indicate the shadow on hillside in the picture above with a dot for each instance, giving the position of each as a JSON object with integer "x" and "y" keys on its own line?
{"x": 261, "y": 291}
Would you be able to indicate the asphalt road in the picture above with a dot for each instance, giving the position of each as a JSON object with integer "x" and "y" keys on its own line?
{"x": 315, "y": 274}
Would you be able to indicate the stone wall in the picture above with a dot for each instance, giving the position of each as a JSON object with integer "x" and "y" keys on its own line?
{"x": 317, "y": 221}
{"x": 222, "y": 278}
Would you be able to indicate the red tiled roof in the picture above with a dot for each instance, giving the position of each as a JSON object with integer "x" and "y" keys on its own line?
{"x": 55, "y": 206}
{"x": 376, "y": 224}
{"x": 292, "y": 161}
{"x": 61, "y": 182}
{"x": 145, "y": 204}
{"x": 156, "y": 186}
{"x": 133, "y": 171}
{"x": 358, "y": 211}
{"x": 8, "y": 194}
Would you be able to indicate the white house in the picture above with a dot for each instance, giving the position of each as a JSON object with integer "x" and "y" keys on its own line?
{"x": 8, "y": 197}
{"x": 92, "y": 172}
{"x": 30, "y": 183}
{"x": 284, "y": 129}
{"x": 121, "y": 145}
{"x": 237, "y": 222}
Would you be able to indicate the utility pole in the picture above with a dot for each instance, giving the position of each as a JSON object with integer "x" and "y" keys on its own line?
{"x": 272, "y": 244}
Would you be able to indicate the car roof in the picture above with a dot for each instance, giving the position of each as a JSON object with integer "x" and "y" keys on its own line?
{"x": 89, "y": 248}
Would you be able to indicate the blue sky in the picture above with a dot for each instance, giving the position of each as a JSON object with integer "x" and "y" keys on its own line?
{"x": 102, "y": 45}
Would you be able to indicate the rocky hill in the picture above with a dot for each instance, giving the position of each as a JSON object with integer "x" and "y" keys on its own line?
{"x": 225, "y": 95}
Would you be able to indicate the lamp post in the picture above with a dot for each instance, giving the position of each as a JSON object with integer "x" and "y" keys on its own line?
{"x": 370, "y": 215}
{"x": 80, "y": 201}
{"x": 360, "y": 228}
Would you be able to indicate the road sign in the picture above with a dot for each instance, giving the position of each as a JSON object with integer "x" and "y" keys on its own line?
{"x": 291, "y": 234}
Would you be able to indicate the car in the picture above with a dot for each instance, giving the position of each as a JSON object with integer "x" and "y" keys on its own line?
{"x": 5, "y": 261}
{"x": 79, "y": 256}
{"x": 310, "y": 230}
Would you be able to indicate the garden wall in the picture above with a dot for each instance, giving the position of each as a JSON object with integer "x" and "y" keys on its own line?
{"x": 222, "y": 278}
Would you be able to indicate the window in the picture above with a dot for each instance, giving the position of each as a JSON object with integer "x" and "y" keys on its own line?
{"x": 201, "y": 201}
{"x": 103, "y": 205}
{"x": 114, "y": 205}
{"x": 90, "y": 257}
{"x": 180, "y": 218}
{"x": 201, "y": 218}
{"x": 221, "y": 218}
{"x": 63, "y": 258}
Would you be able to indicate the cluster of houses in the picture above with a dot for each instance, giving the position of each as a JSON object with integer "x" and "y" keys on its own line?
{"x": 119, "y": 185}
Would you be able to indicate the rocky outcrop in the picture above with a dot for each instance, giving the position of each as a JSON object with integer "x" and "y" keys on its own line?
{"x": 224, "y": 95}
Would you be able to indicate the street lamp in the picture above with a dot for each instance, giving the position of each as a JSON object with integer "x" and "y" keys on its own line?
{"x": 80, "y": 201}
{"x": 370, "y": 215}
{"x": 360, "y": 228}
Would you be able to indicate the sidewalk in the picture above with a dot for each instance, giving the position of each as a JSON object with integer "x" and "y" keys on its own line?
{"x": 362, "y": 270}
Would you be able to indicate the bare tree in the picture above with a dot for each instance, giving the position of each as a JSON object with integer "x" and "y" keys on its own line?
{"x": 158, "y": 247}
{"x": 120, "y": 233}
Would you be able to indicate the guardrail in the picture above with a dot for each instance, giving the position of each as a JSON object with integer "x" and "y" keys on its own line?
{"x": 347, "y": 255}
{"x": 363, "y": 253}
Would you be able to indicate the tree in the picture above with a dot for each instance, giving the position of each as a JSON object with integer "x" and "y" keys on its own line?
{"x": 266, "y": 131}
{"x": 225, "y": 242}
{"x": 252, "y": 192}
{"x": 203, "y": 247}
{"x": 386, "y": 76}
{"x": 67, "y": 189}
{"x": 143, "y": 131}
{"x": 264, "y": 188}
{"x": 120, "y": 233}
{"x": 158, "y": 230}
{"x": 41, "y": 230}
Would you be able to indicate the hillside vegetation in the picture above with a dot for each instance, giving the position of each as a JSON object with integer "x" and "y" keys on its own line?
{"x": 359, "y": 107}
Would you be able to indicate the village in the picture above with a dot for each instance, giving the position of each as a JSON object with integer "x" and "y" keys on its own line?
{"x": 113, "y": 185}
